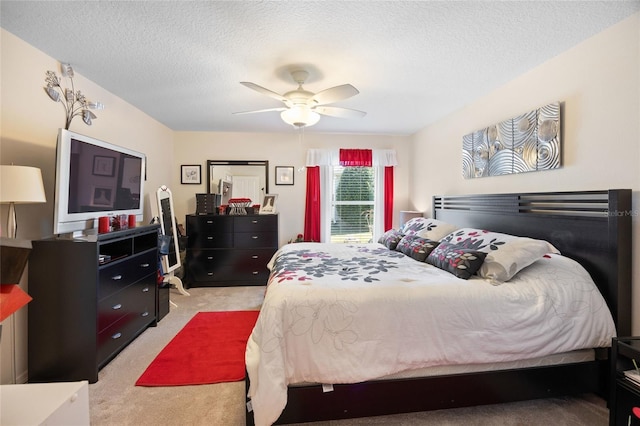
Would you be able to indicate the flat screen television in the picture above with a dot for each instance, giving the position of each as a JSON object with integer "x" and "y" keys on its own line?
{"x": 95, "y": 178}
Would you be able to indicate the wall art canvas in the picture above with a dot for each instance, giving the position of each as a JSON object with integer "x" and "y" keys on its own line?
{"x": 526, "y": 143}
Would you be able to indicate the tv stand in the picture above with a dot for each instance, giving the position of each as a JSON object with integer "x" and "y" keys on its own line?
{"x": 90, "y": 300}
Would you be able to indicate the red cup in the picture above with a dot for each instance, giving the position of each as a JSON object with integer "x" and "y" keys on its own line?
{"x": 132, "y": 221}
{"x": 103, "y": 224}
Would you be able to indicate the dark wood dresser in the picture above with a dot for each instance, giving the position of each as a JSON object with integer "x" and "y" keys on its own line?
{"x": 227, "y": 250}
{"x": 90, "y": 300}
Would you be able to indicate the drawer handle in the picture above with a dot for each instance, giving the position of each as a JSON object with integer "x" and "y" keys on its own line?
{"x": 255, "y": 237}
{"x": 254, "y": 221}
{"x": 145, "y": 290}
{"x": 144, "y": 265}
{"x": 209, "y": 257}
{"x": 116, "y": 277}
{"x": 255, "y": 272}
{"x": 209, "y": 222}
{"x": 116, "y": 307}
{"x": 116, "y": 336}
{"x": 209, "y": 238}
{"x": 255, "y": 256}
{"x": 145, "y": 314}
{"x": 210, "y": 274}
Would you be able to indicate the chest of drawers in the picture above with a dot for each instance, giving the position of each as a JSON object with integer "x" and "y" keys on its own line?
{"x": 224, "y": 250}
{"x": 90, "y": 300}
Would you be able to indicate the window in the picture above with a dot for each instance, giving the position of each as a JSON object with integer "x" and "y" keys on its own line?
{"x": 352, "y": 204}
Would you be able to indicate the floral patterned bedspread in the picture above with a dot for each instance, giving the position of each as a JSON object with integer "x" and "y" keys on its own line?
{"x": 346, "y": 313}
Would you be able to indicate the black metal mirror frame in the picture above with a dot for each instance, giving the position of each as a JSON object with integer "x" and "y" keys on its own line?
{"x": 259, "y": 163}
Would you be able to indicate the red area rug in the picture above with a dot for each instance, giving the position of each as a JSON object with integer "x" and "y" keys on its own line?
{"x": 209, "y": 349}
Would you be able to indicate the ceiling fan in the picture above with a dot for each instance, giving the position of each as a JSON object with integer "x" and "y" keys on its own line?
{"x": 303, "y": 108}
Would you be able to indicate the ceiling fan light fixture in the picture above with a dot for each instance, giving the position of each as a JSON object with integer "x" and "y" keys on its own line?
{"x": 300, "y": 116}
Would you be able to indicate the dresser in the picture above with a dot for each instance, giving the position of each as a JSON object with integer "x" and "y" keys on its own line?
{"x": 91, "y": 298}
{"x": 227, "y": 250}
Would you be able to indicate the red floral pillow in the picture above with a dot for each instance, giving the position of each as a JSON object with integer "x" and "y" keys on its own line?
{"x": 460, "y": 261}
{"x": 416, "y": 247}
{"x": 391, "y": 238}
{"x": 506, "y": 254}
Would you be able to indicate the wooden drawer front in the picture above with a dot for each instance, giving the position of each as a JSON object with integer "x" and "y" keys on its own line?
{"x": 138, "y": 307}
{"x": 205, "y": 225}
{"x": 264, "y": 223}
{"x": 112, "y": 309}
{"x": 211, "y": 265}
{"x": 249, "y": 265}
{"x": 256, "y": 239}
{"x": 136, "y": 300}
{"x": 211, "y": 240}
{"x": 117, "y": 335}
{"x": 119, "y": 275}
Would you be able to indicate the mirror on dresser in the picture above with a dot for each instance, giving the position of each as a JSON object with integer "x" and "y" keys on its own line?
{"x": 238, "y": 179}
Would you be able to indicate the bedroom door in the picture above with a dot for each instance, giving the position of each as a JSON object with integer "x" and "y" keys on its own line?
{"x": 246, "y": 187}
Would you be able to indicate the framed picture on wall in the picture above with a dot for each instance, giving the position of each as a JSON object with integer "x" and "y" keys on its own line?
{"x": 284, "y": 175}
{"x": 190, "y": 174}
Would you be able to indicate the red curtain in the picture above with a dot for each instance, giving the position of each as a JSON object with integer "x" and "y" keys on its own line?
{"x": 388, "y": 198}
{"x": 348, "y": 157}
{"x": 312, "y": 206}
{"x": 356, "y": 157}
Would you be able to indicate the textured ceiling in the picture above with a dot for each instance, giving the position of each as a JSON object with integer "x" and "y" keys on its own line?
{"x": 414, "y": 62}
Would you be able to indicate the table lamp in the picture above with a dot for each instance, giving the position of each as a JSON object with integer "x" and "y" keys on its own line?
{"x": 406, "y": 215}
{"x": 19, "y": 185}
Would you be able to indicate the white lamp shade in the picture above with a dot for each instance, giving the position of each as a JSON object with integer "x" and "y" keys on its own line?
{"x": 21, "y": 185}
{"x": 406, "y": 215}
{"x": 300, "y": 116}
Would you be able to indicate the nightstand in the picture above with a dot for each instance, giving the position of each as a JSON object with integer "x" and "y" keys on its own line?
{"x": 61, "y": 403}
{"x": 624, "y": 401}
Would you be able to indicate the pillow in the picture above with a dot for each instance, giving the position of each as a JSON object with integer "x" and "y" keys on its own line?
{"x": 391, "y": 238}
{"x": 460, "y": 261}
{"x": 506, "y": 254}
{"x": 431, "y": 229}
{"x": 416, "y": 247}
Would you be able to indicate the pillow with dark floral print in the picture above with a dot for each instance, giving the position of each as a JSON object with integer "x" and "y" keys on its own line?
{"x": 506, "y": 254}
{"x": 391, "y": 238}
{"x": 424, "y": 227}
{"x": 458, "y": 260}
{"x": 416, "y": 247}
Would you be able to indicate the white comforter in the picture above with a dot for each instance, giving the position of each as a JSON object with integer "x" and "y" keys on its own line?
{"x": 381, "y": 312}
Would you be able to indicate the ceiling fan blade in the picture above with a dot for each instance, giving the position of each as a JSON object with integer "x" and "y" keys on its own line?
{"x": 334, "y": 94}
{"x": 339, "y": 112}
{"x": 264, "y": 91}
{"x": 260, "y": 110}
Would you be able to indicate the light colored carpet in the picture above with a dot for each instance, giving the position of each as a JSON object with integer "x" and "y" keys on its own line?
{"x": 115, "y": 400}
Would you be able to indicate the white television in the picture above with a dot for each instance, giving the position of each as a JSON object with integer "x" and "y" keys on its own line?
{"x": 95, "y": 178}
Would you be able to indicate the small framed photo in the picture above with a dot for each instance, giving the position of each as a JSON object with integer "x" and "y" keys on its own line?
{"x": 190, "y": 174}
{"x": 268, "y": 205}
{"x": 103, "y": 166}
{"x": 102, "y": 197}
{"x": 284, "y": 175}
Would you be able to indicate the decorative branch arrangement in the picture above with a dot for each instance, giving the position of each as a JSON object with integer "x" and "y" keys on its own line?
{"x": 73, "y": 102}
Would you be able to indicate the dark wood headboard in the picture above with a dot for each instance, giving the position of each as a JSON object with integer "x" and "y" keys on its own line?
{"x": 591, "y": 227}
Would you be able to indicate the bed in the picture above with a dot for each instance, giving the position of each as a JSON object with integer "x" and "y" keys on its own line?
{"x": 311, "y": 343}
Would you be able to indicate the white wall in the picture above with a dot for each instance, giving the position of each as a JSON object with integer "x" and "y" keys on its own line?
{"x": 280, "y": 149}
{"x": 30, "y": 122}
{"x": 598, "y": 83}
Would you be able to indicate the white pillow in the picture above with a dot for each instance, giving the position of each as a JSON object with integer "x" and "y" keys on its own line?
{"x": 431, "y": 229}
{"x": 506, "y": 254}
